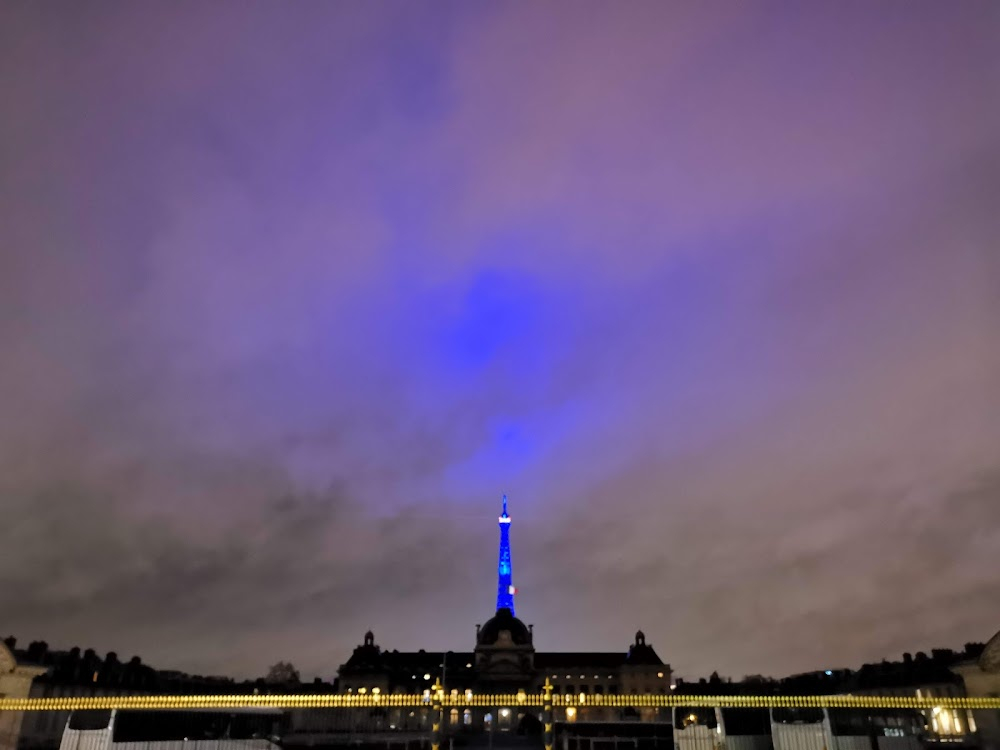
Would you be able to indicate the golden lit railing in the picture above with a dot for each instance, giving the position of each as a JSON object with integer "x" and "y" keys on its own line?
{"x": 484, "y": 700}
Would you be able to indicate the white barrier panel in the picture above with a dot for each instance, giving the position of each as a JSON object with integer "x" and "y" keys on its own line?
{"x": 100, "y": 739}
{"x": 85, "y": 739}
{"x": 799, "y": 736}
{"x": 695, "y": 737}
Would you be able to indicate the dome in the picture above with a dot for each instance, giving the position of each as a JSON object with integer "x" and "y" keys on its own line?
{"x": 503, "y": 622}
{"x": 641, "y": 653}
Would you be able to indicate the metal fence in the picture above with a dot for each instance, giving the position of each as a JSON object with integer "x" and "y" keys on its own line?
{"x": 437, "y": 718}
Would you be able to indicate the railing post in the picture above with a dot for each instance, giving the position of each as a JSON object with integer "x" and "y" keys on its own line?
{"x": 437, "y": 710}
{"x": 547, "y": 714}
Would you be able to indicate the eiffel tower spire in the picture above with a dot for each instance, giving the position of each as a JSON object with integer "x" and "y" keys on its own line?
{"x": 505, "y": 588}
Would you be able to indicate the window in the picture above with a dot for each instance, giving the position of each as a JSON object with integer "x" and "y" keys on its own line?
{"x": 467, "y": 717}
{"x": 599, "y": 689}
{"x": 454, "y": 716}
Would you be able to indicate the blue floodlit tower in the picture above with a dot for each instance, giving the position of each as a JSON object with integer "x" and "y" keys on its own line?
{"x": 505, "y": 588}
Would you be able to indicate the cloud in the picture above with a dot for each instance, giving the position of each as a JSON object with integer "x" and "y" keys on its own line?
{"x": 287, "y": 298}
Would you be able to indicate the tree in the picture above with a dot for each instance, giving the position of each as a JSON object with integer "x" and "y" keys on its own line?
{"x": 282, "y": 673}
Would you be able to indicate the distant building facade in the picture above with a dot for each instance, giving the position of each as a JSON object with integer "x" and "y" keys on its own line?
{"x": 15, "y": 682}
{"x": 76, "y": 673}
{"x": 982, "y": 680}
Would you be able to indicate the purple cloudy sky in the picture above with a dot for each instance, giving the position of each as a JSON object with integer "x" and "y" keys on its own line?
{"x": 291, "y": 292}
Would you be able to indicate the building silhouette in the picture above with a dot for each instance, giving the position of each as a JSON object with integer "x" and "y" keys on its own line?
{"x": 504, "y": 660}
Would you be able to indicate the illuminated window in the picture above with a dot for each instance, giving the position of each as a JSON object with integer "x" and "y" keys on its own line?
{"x": 454, "y": 716}
{"x": 467, "y": 717}
{"x": 570, "y": 713}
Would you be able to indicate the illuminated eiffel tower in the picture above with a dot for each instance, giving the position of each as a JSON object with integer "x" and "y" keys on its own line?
{"x": 505, "y": 587}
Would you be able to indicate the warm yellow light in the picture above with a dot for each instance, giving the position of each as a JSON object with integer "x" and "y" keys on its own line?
{"x": 362, "y": 690}
{"x": 570, "y": 713}
{"x": 660, "y": 675}
{"x": 376, "y": 691}
{"x": 427, "y": 676}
